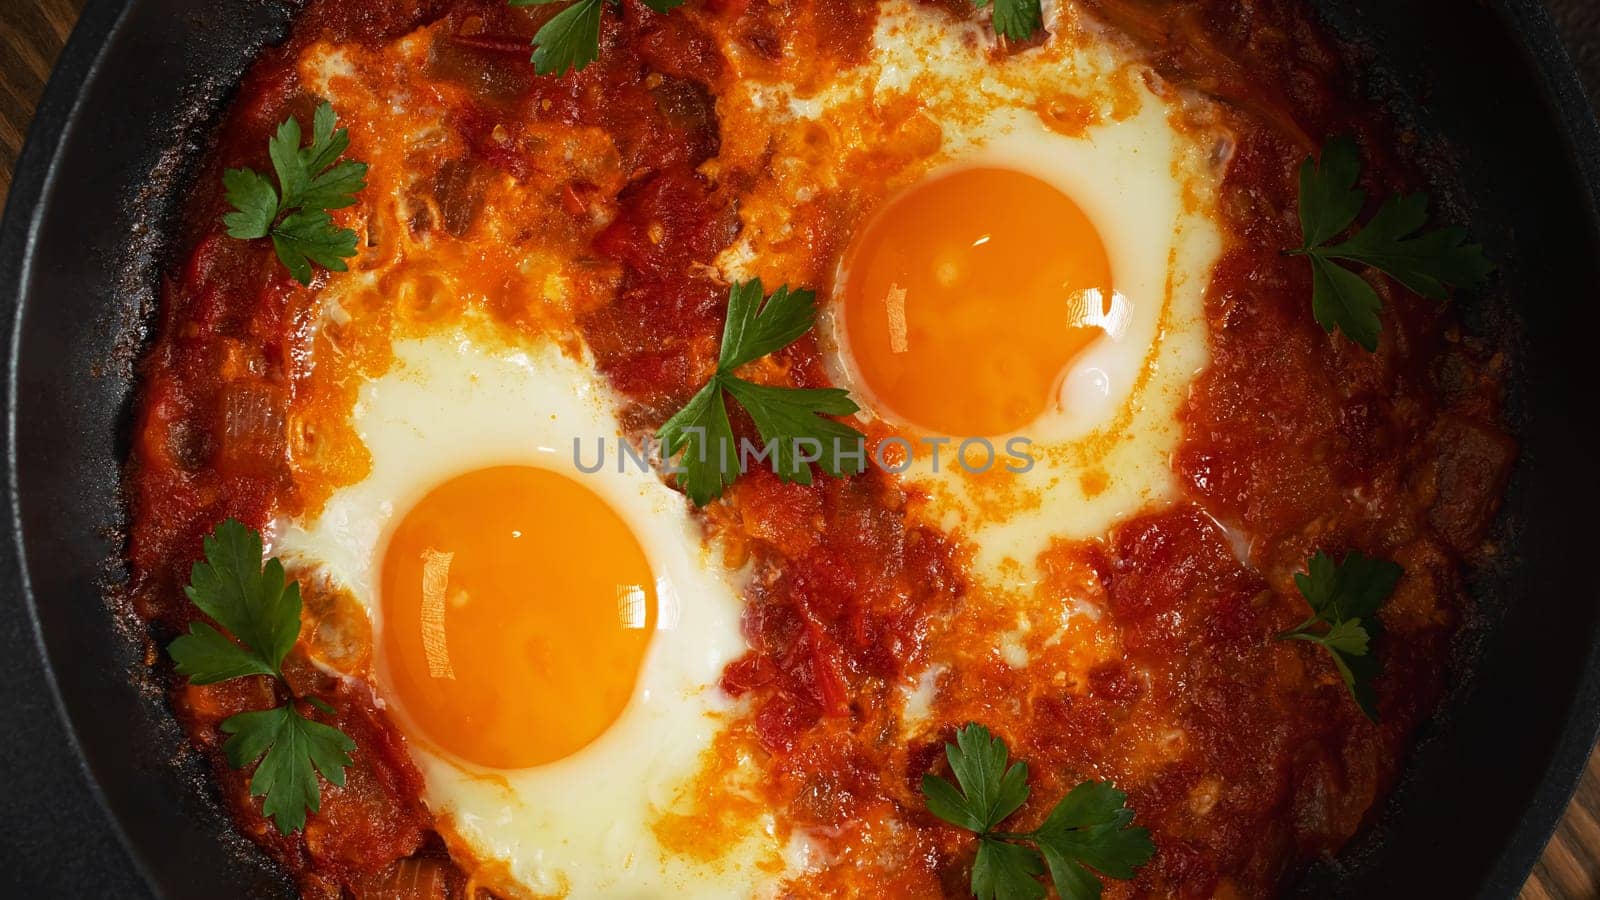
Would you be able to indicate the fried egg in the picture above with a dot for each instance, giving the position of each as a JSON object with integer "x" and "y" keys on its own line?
{"x": 1023, "y": 308}
{"x": 549, "y": 638}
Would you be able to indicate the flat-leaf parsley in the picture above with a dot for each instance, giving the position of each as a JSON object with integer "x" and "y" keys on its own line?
{"x": 785, "y": 417}
{"x": 261, "y": 609}
{"x": 1344, "y": 601}
{"x": 311, "y": 181}
{"x": 1015, "y": 19}
{"x": 571, "y": 39}
{"x": 1089, "y": 831}
{"x": 1429, "y": 264}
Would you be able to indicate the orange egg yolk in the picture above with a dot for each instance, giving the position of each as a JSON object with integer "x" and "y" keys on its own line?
{"x": 966, "y": 297}
{"x": 517, "y": 610}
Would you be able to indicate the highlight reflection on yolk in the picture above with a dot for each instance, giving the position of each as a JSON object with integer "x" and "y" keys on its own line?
{"x": 966, "y": 297}
{"x": 517, "y": 609}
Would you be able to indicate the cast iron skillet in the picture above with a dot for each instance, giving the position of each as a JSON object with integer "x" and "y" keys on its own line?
{"x": 1504, "y": 124}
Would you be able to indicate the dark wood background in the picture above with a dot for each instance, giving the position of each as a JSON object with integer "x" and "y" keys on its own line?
{"x": 33, "y": 31}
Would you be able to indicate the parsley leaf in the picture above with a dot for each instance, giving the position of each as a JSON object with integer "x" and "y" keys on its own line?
{"x": 1353, "y": 589}
{"x": 990, "y": 790}
{"x": 1005, "y": 871}
{"x": 311, "y": 181}
{"x": 307, "y": 236}
{"x": 327, "y": 145}
{"x": 1016, "y": 19}
{"x": 702, "y": 432}
{"x": 207, "y": 656}
{"x": 571, "y": 39}
{"x": 250, "y": 600}
{"x": 754, "y": 330}
{"x": 1340, "y": 297}
{"x": 791, "y": 421}
{"x": 1344, "y": 602}
{"x": 255, "y": 204}
{"x": 1429, "y": 264}
{"x": 283, "y": 149}
{"x": 336, "y": 187}
{"x": 261, "y": 609}
{"x": 289, "y": 747}
{"x": 1329, "y": 198}
{"x": 1089, "y": 829}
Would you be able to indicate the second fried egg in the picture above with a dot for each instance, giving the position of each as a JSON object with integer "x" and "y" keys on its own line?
{"x": 1023, "y": 306}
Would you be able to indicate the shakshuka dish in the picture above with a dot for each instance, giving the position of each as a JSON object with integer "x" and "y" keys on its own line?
{"x": 809, "y": 448}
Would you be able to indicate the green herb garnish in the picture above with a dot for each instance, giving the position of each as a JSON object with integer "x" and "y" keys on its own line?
{"x": 262, "y": 611}
{"x": 1088, "y": 830}
{"x": 311, "y": 181}
{"x": 1344, "y": 601}
{"x": 786, "y": 417}
{"x": 571, "y": 39}
{"x": 1429, "y": 264}
{"x": 1016, "y": 19}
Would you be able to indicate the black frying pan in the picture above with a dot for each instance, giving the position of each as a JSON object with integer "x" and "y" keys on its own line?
{"x": 1505, "y": 127}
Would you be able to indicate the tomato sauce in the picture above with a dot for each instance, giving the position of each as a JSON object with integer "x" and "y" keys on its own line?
{"x": 1301, "y": 439}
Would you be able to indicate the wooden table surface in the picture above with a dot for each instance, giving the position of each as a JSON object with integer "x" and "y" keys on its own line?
{"x": 31, "y": 34}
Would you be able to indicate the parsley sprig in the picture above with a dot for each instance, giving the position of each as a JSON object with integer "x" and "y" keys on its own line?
{"x": 571, "y": 39}
{"x": 1015, "y": 19}
{"x": 261, "y": 610}
{"x": 787, "y": 418}
{"x": 1344, "y": 602}
{"x": 311, "y": 181}
{"x": 1088, "y": 830}
{"x": 1430, "y": 263}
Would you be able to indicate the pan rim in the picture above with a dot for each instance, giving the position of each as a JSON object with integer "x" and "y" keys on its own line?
{"x": 37, "y": 170}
